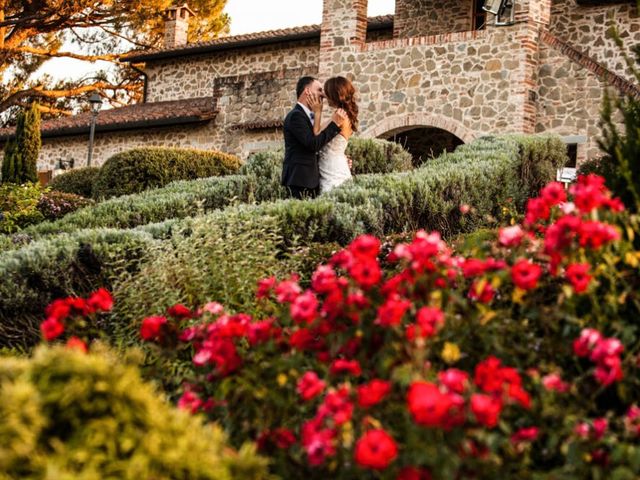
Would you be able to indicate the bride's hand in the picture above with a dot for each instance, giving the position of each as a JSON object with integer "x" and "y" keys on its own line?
{"x": 314, "y": 102}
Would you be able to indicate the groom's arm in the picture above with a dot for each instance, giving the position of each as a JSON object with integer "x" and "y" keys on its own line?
{"x": 299, "y": 126}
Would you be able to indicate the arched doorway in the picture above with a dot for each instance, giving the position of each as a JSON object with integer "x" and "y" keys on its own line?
{"x": 424, "y": 143}
{"x": 424, "y": 135}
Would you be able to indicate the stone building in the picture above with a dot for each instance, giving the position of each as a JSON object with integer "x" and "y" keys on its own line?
{"x": 432, "y": 76}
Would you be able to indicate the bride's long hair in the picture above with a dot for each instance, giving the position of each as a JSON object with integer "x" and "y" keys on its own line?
{"x": 341, "y": 92}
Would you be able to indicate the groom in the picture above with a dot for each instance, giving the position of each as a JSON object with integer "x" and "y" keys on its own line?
{"x": 300, "y": 173}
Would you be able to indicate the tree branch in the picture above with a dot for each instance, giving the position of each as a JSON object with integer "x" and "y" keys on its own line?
{"x": 40, "y": 92}
{"x": 51, "y": 54}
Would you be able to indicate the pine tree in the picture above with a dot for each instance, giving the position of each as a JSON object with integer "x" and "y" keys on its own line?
{"x": 29, "y": 144}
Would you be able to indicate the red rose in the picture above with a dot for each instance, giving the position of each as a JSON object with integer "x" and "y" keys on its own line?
{"x": 283, "y": 438}
{"x": 58, "y": 309}
{"x": 351, "y": 367}
{"x": 537, "y": 209}
{"x": 454, "y": 380}
{"x": 366, "y": 273}
{"x": 525, "y": 435}
{"x": 525, "y": 274}
{"x": 428, "y": 405}
{"x": 376, "y": 449}
{"x": 553, "y": 194}
{"x": 304, "y": 308}
{"x": 151, "y": 327}
{"x": 486, "y": 409}
{"x": 310, "y": 386}
{"x": 100, "y": 300}
{"x": 391, "y": 312}
{"x": 179, "y": 311}
{"x": 373, "y": 392}
{"x": 337, "y": 406}
{"x": 481, "y": 291}
{"x": 324, "y": 279}
{"x": 413, "y": 473}
{"x": 365, "y": 246}
{"x": 51, "y": 328}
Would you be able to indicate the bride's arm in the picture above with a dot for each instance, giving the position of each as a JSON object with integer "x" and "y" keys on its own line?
{"x": 315, "y": 105}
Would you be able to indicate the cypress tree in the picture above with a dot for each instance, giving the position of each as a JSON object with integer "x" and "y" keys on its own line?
{"x": 8, "y": 165}
{"x": 30, "y": 144}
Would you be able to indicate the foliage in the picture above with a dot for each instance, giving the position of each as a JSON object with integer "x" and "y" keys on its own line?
{"x": 71, "y": 415}
{"x": 69, "y": 264}
{"x": 78, "y": 181}
{"x": 429, "y": 197}
{"x": 21, "y": 158}
{"x": 19, "y": 206}
{"x": 143, "y": 168}
{"x": 54, "y": 205}
{"x": 516, "y": 359}
{"x": 8, "y": 160}
{"x": 377, "y": 156}
{"x": 34, "y": 33}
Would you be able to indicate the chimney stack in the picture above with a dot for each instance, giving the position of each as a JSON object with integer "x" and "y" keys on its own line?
{"x": 176, "y": 26}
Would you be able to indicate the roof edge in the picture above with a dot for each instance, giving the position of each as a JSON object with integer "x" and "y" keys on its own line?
{"x": 312, "y": 32}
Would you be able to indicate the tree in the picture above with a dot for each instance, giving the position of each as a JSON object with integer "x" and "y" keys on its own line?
{"x": 21, "y": 154}
{"x": 35, "y": 31}
{"x": 29, "y": 143}
{"x": 8, "y": 170}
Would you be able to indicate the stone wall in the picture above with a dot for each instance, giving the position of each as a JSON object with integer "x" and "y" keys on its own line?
{"x": 431, "y": 17}
{"x": 192, "y": 77}
{"x": 570, "y": 99}
{"x": 585, "y": 28}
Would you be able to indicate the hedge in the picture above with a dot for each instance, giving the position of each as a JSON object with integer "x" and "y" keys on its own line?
{"x": 70, "y": 415}
{"x": 140, "y": 169}
{"x": 377, "y": 156}
{"x": 70, "y": 264}
{"x": 258, "y": 180}
{"x": 484, "y": 175}
{"x": 78, "y": 181}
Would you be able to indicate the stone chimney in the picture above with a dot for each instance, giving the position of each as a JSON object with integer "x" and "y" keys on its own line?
{"x": 176, "y": 26}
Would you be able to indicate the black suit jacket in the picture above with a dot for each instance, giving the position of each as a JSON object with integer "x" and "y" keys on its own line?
{"x": 300, "y": 167}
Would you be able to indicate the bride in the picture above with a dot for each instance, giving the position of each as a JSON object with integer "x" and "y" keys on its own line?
{"x": 333, "y": 162}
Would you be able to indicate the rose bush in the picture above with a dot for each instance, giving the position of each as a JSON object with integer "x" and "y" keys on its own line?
{"x": 516, "y": 358}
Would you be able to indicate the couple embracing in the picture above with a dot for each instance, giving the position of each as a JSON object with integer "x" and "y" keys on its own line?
{"x": 315, "y": 160}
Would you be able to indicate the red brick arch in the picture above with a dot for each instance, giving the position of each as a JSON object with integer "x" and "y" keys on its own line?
{"x": 399, "y": 123}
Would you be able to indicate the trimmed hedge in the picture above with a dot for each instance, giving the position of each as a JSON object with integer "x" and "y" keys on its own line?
{"x": 377, "y": 156}
{"x": 58, "y": 267}
{"x": 70, "y": 415}
{"x": 140, "y": 169}
{"x": 78, "y": 181}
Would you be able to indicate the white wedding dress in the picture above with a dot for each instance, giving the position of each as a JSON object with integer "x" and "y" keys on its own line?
{"x": 333, "y": 164}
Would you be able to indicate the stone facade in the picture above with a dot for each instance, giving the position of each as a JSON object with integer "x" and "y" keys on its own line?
{"x": 414, "y": 18}
{"x": 194, "y": 76}
{"x": 417, "y": 73}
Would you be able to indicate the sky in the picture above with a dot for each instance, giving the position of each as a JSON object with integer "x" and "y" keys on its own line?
{"x": 247, "y": 16}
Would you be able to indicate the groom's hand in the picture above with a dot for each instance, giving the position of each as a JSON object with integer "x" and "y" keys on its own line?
{"x": 339, "y": 117}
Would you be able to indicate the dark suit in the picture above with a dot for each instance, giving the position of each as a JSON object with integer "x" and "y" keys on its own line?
{"x": 300, "y": 170}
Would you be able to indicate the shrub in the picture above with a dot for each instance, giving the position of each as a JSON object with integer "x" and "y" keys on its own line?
{"x": 78, "y": 181}
{"x": 265, "y": 170}
{"x": 61, "y": 266}
{"x": 54, "y": 205}
{"x": 19, "y": 206}
{"x": 177, "y": 200}
{"x": 143, "y": 168}
{"x": 503, "y": 364}
{"x": 377, "y": 156}
{"x": 21, "y": 153}
{"x": 67, "y": 414}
